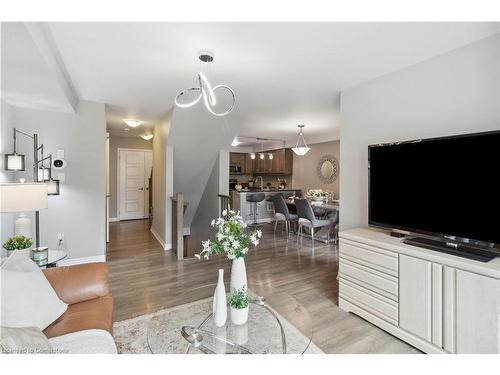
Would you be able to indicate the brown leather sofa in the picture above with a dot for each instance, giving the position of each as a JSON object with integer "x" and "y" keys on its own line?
{"x": 85, "y": 289}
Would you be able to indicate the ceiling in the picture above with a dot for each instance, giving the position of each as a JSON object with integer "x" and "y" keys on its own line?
{"x": 27, "y": 80}
{"x": 283, "y": 73}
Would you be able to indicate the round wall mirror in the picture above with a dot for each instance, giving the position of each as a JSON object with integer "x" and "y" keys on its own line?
{"x": 328, "y": 169}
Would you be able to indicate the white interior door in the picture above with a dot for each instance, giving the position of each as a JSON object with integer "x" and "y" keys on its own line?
{"x": 131, "y": 184}
{"x": 148, "y": 164}
{"x": 106, "y": 157}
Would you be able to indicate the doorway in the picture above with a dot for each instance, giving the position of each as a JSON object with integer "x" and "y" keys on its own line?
{"x": 134, "y": 172}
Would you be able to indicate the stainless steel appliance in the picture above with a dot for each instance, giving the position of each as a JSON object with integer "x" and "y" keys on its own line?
{"x": 235, "y": 168}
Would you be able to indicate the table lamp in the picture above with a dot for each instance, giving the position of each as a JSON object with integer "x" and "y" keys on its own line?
{"x": 23, "y": 197}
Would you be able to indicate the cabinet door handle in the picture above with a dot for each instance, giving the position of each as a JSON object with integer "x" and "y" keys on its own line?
{"x": 141, "y": 188}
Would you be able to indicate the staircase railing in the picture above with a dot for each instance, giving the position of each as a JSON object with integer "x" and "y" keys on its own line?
{"x": 224, "y": 203}
{"x": 178, "y": 209}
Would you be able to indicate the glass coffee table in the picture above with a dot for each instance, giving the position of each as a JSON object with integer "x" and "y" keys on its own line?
{"x": 266, "y": 331}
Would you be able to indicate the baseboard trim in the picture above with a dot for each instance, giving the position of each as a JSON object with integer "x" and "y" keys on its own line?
{"x": 164, "y": 245}
{"x": 113, "y": 219}
{"x": 82, "y": 260}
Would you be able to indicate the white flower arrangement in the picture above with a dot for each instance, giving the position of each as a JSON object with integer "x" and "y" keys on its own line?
{"x": 318, "y": 193}
{"x": 231, "y": 238}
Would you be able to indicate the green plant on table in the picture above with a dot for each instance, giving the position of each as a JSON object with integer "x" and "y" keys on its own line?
{"x": 239, "y": 299}
{"x": 17, "y": 243}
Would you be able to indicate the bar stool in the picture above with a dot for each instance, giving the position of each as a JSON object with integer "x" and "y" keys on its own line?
{"x": 254, "y": 200}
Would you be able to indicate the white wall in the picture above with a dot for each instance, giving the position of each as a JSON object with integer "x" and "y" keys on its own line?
{"x": 305, "y": 174}
{"x": 116, "y": 142}
{"x": 208, "y": 209}
{"x": 162, "y": 190}
{"x": 6, "y": 146}
{"x": 79, "y": 211}
{"x": 454, "y": 93}
{"x": 197, "y": 137}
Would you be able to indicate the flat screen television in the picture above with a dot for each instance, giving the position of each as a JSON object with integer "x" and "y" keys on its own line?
{"x": 447, "y": 188}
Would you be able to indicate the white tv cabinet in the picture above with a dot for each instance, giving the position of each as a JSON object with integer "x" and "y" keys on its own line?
{"x": 437, "y": 302}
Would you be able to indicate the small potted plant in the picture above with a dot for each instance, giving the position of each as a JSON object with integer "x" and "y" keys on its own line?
{"x": 239, "y": 301}
{"x": 20, "y": 243}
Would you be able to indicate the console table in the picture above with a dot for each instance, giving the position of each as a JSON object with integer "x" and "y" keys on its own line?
{"x": 437, "y": 302}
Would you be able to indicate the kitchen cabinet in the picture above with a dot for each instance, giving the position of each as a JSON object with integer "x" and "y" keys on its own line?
{"x": 249, "y": 164}
{"x": 280, "y": 164}
{"x": 239, "y": 159}
{"x": 436, "y": 302}
{"x": 261, "y": 166}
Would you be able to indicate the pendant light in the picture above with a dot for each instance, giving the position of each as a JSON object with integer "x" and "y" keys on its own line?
{"x": 206, "y": 91}
{"x": 262, "y": 155}
{"x": 301, "y": 150}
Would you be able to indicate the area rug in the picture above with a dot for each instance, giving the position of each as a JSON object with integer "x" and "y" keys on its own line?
{"x": 131, "y": 335}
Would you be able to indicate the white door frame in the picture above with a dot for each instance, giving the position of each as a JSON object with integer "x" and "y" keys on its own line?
{"x": 118, "y": 206}
{"x": 106, "y": 152}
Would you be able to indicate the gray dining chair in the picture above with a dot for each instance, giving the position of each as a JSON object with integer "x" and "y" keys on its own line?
{"x": 307, "y": 218}
{"x": 281, "y": 213}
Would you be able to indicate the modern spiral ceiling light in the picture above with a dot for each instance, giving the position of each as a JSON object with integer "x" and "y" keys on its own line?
{"x": 205, "y": 91}
{"x": 298, "y": 149}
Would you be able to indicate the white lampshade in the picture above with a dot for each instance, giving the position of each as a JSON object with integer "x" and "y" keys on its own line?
{"x": 300, "y": 151}
{"x": 14, "y": 162}
{"x": 52, "y": 187}
{"x": 43, "y": 174}
{"x": 23, "y": 197}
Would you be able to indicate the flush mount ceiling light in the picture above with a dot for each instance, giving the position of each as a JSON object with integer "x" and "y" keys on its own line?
{"x": 301, "y": 150}
{"x": 132, "y": 123}
{"x": 206, "y": 91}
{"x": 147, "y": 137}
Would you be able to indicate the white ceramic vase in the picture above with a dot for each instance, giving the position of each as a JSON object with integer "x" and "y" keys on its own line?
{"x": 239, "y": 316}
{"x": 238, "y": 275}
{"x": 220, "y": 304}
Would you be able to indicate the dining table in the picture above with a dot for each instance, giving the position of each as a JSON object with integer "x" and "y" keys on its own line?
{"x": 328, "y": 210}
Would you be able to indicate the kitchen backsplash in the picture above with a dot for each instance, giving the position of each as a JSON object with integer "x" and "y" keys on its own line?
{"x": 273, "y": 180}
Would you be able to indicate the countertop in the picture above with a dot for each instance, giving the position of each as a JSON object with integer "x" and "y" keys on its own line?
{"x": 263, "y": 191}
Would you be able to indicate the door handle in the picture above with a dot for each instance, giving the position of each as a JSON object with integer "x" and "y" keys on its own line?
{"x": 141, "y": 188}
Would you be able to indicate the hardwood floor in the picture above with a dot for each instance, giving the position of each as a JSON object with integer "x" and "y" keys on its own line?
{"x": 144, "y": 279}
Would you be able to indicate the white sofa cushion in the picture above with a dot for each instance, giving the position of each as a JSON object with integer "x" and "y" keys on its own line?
{"x": 90, "y": 341}
{"x": 28, "y": 340}
{"x": 27, "y": 298}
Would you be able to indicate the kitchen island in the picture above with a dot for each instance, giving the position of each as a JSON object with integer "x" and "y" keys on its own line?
{"x": 265, "y": 209}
